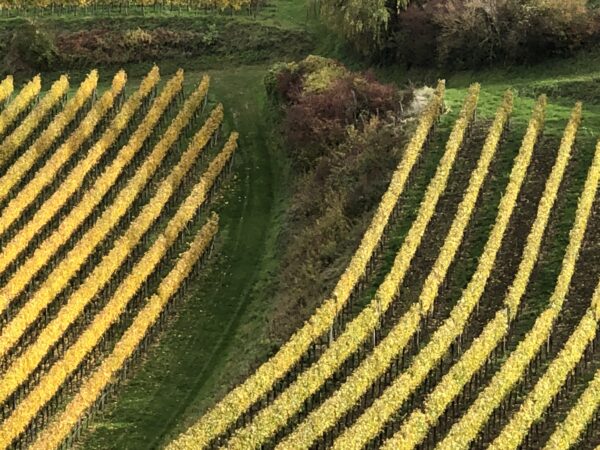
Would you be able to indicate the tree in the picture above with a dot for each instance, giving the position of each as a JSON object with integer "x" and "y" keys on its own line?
{"x": 362, "y": 22}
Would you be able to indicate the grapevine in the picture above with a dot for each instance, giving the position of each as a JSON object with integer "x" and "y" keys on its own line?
{"x": 76, "y": 303}
{"x": 6, "y": 90}
{"x": 415, "y": 428}
{"x": 50, "y": 135}
{"x": 374, "y": 418}
{"x": 334, "y": 408}
{"x": 12, "y": 142}
{"x": 46, "y": 174}
{"x": 20, "y": 103}
{"x": 93, "y": 386}
{"x": 26, "y": 410}
{"x": 469, "y": 426}
{"x": 69, "y": 266}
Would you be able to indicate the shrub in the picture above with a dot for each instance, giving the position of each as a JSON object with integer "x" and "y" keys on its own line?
{"x": 317, "y": 121}
{"x": 412, "y": 37}
{"x": 331, "y": 206}
{"x": 321, "y": 99}
{"x": 137, "y": 37}
{"x": 343, "y": 131}
{"x": 464, "y": 33}
{"x": 283, "y": 82}
{"x": 30, "y": 49}
{"x": 473, "y": 33}
{"x": 322, "y": 79}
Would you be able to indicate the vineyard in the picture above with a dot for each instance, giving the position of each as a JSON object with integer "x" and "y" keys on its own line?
{"x": 123, "y": 6}
{"x": 104, "y": 220}
{"x": 286, "y": 224}
{"x": 378, "y": 367}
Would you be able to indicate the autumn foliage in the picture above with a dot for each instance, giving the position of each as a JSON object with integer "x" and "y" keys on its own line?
{"x": 322, "y": 99}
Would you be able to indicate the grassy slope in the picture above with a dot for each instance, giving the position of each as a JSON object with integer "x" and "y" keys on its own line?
{"x": 565, "y": 81}
{"x": 218, "y": 334}
{"x": 209, "y": 341}
{"x": 222, "y": 317}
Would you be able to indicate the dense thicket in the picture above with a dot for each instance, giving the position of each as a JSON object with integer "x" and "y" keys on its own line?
{"x": 28, "y": 46}
{"x": 344, "y": 132}
{"x": 463, "y": 33}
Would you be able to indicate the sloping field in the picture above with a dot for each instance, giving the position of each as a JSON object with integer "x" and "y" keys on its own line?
{"x": 439, "y": 346}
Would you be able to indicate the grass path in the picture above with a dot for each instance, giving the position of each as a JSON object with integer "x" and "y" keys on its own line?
{"x": 206, "y": 343}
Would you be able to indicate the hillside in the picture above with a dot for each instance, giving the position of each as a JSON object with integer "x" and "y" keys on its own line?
{"x": 445, "y": 329}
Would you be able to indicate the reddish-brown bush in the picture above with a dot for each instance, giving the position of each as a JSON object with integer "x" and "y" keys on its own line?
{"x": 316, "y": 120}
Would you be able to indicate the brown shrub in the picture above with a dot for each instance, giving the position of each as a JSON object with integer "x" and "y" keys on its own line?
{"x": 473, "y": 33}
{"x": 331, "y": 206}
{"x": 316, "y": 121}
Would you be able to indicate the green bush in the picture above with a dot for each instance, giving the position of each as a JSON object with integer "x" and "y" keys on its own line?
{"x": 30, "y": 49}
